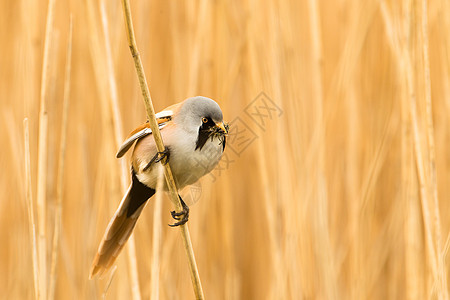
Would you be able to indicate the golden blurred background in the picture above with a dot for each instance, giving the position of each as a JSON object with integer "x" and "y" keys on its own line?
{"x": 336, "y": 178}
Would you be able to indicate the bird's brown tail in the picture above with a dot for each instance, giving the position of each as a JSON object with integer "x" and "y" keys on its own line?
{"x": 120, "y": 227}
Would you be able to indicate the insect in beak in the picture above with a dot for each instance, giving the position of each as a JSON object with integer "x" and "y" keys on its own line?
{"x": 223, "y": 128}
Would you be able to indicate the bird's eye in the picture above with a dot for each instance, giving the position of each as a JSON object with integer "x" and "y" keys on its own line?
{"x": 204, "y": 120}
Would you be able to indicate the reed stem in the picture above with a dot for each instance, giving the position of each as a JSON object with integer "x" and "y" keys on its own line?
{"x": 173, "y": 191}
{"x": 61, "y": 159}
{"x": 29, "y": 197}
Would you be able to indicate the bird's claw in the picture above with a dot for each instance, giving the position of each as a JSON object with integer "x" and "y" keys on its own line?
{"x": 159, "y": 156}
{"x": 162, "y": 155}
{"x": 182, "y": 217}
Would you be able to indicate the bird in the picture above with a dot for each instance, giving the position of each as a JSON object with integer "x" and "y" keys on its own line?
{"x": 194, "y": 135}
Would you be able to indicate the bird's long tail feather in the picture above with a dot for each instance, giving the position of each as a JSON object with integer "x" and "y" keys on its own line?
{"x": 121, "y": 226}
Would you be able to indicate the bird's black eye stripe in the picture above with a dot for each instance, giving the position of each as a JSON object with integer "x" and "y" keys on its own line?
{"x": 204, "y": 132}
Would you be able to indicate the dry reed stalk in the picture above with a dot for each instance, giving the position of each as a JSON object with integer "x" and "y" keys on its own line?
{"x": 106, "y": 78}
{"x": 278, "y": 268}
{"x": 61, "y": 159}
{"x": 376, "y": 164}
{"x": 280, "y": 155}
{"x": 442, "y": 273}
{"x": 197, "y": 47}
{"x": 30, "y": 206}
{"x": 160, "y": 146}
{"x": 403, "y": 53}
{"x": 343, "y": 92}
{"x": 156, "y": 241}
{"x": 41, "y": 201}
{"x": 108, "y": 284}
{"x": 117, "y": 124}
{"x": 363, "y": 14}
{"x": 42, "y": 156}
{"x": 413, "y": 223}
{"x": 446, "y": 247}
{"x": 326, "y": 260}
{"x": 420, "y": 159}
{"x": 132, "y": 268}
{"x": 112, "y": 88}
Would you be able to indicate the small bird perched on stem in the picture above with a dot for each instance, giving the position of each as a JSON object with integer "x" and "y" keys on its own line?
{"x": 194, "y": 135}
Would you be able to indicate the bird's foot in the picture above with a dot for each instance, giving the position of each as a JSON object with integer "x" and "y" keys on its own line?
{"x": 182, "y": 217}
{"x": 159, "y": 156}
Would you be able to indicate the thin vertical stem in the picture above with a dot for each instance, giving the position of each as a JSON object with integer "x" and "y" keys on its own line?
{"x": 160, "y": 146}
{"x": 61, "y": 159}
{"x": 29, "y": 196}
{"x": 42, "y": 156}
{"x": 117, "y": 124}
{"x": 156, "y": 242}
{"x": 442, "y": 274}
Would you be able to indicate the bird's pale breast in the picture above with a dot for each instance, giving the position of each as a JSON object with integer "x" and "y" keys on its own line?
{"x": 188, "y": 165}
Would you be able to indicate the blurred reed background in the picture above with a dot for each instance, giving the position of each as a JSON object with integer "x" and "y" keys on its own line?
{"x": 335, "y": 183}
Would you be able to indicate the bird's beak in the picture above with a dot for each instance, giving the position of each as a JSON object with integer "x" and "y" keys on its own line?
{"x": 222, "y": 127}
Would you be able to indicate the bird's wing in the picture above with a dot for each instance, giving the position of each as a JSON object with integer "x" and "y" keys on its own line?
{"x": 162, "y": 118}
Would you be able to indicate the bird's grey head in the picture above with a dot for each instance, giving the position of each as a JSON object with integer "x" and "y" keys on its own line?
{"x": 195, "y": 109}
